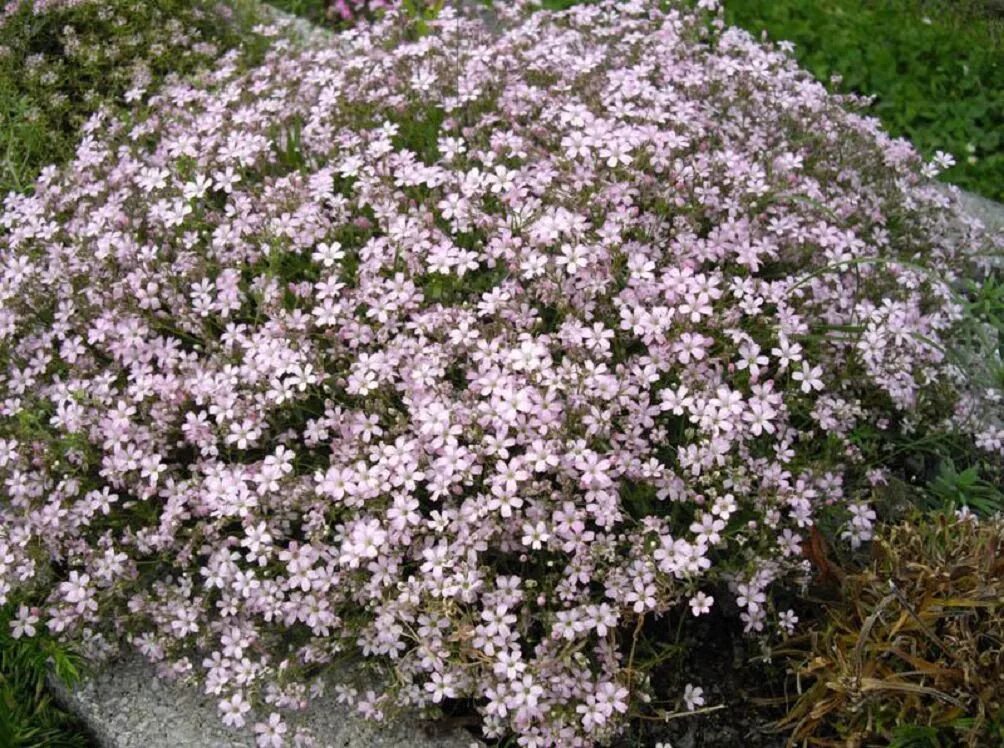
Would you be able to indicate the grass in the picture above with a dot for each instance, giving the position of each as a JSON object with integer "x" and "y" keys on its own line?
{"x": 28, "y": 717}
{"x": 908, "y": 653}
{"x": 312, "y": 10}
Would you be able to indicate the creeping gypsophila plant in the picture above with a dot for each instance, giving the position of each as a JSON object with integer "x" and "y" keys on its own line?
{"x": 467, "y": 354}
{"x": 338, "y": 13}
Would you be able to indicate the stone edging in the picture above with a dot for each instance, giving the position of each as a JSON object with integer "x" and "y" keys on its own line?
{"x": 990, "y": 213}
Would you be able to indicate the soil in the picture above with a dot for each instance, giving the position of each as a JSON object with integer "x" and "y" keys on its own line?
{"x": 729, "y": 667}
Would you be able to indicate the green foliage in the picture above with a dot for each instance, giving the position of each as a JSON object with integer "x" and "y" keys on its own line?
{"x": 936, "y": 68}
{"x": 314, "y": 11}
{"x": 421, "y": 12}
{"x": 950, "y": 473}
{"x": 910, "y": 653}
{"x": 60, "y": 66}
{"x": 915, "y": 736}
{"x": 28, "y": 718}
{"x": 559, "y": 4}
{"x": 318, "y": 11}
{"x": 954, "y": 490}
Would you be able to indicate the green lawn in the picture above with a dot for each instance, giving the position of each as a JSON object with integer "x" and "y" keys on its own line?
{"x": 312, "y": 10}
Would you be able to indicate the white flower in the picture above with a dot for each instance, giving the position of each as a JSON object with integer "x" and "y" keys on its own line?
{"x": 701, "y": 604}
{"x": 787, "y": 621}
{"x": 693, "y": 697}
{"x": 24, "y": 623}
{"x": 535, "y": 535}
{"x": 809, "y": 376}
{"x": 233, "y": 710}
{"x": 269, "y": 734}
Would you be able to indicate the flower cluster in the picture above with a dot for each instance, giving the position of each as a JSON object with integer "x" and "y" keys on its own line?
{"x": 351, "y": 10}
{"x": 37, "y": 7}
{"x": 470, "y": 354}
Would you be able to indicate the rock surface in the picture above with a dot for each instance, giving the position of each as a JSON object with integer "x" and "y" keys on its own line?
{"x": 126, "y": 706}
{"x": 989, "y": 212}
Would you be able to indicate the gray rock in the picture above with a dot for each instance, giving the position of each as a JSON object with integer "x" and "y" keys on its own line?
{"x": 485, "y": 12}
{"x": 990, "y": 213}
{"x": 298, "y": 27}
{"x": 125, "y": 705}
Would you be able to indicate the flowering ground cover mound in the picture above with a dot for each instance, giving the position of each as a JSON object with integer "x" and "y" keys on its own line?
{"x": 477, "y": 357}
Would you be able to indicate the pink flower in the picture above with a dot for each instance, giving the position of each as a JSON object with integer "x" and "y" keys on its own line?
{"x": 233, "y": 710}
{"x": 700, "y": 604}
{"x": 461, "y": 356}
{"x": 809, "y": 377}
{"x": 693, "y": 697}
{"x": 270, "y": 734}
{"x": 23, "y": 624}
